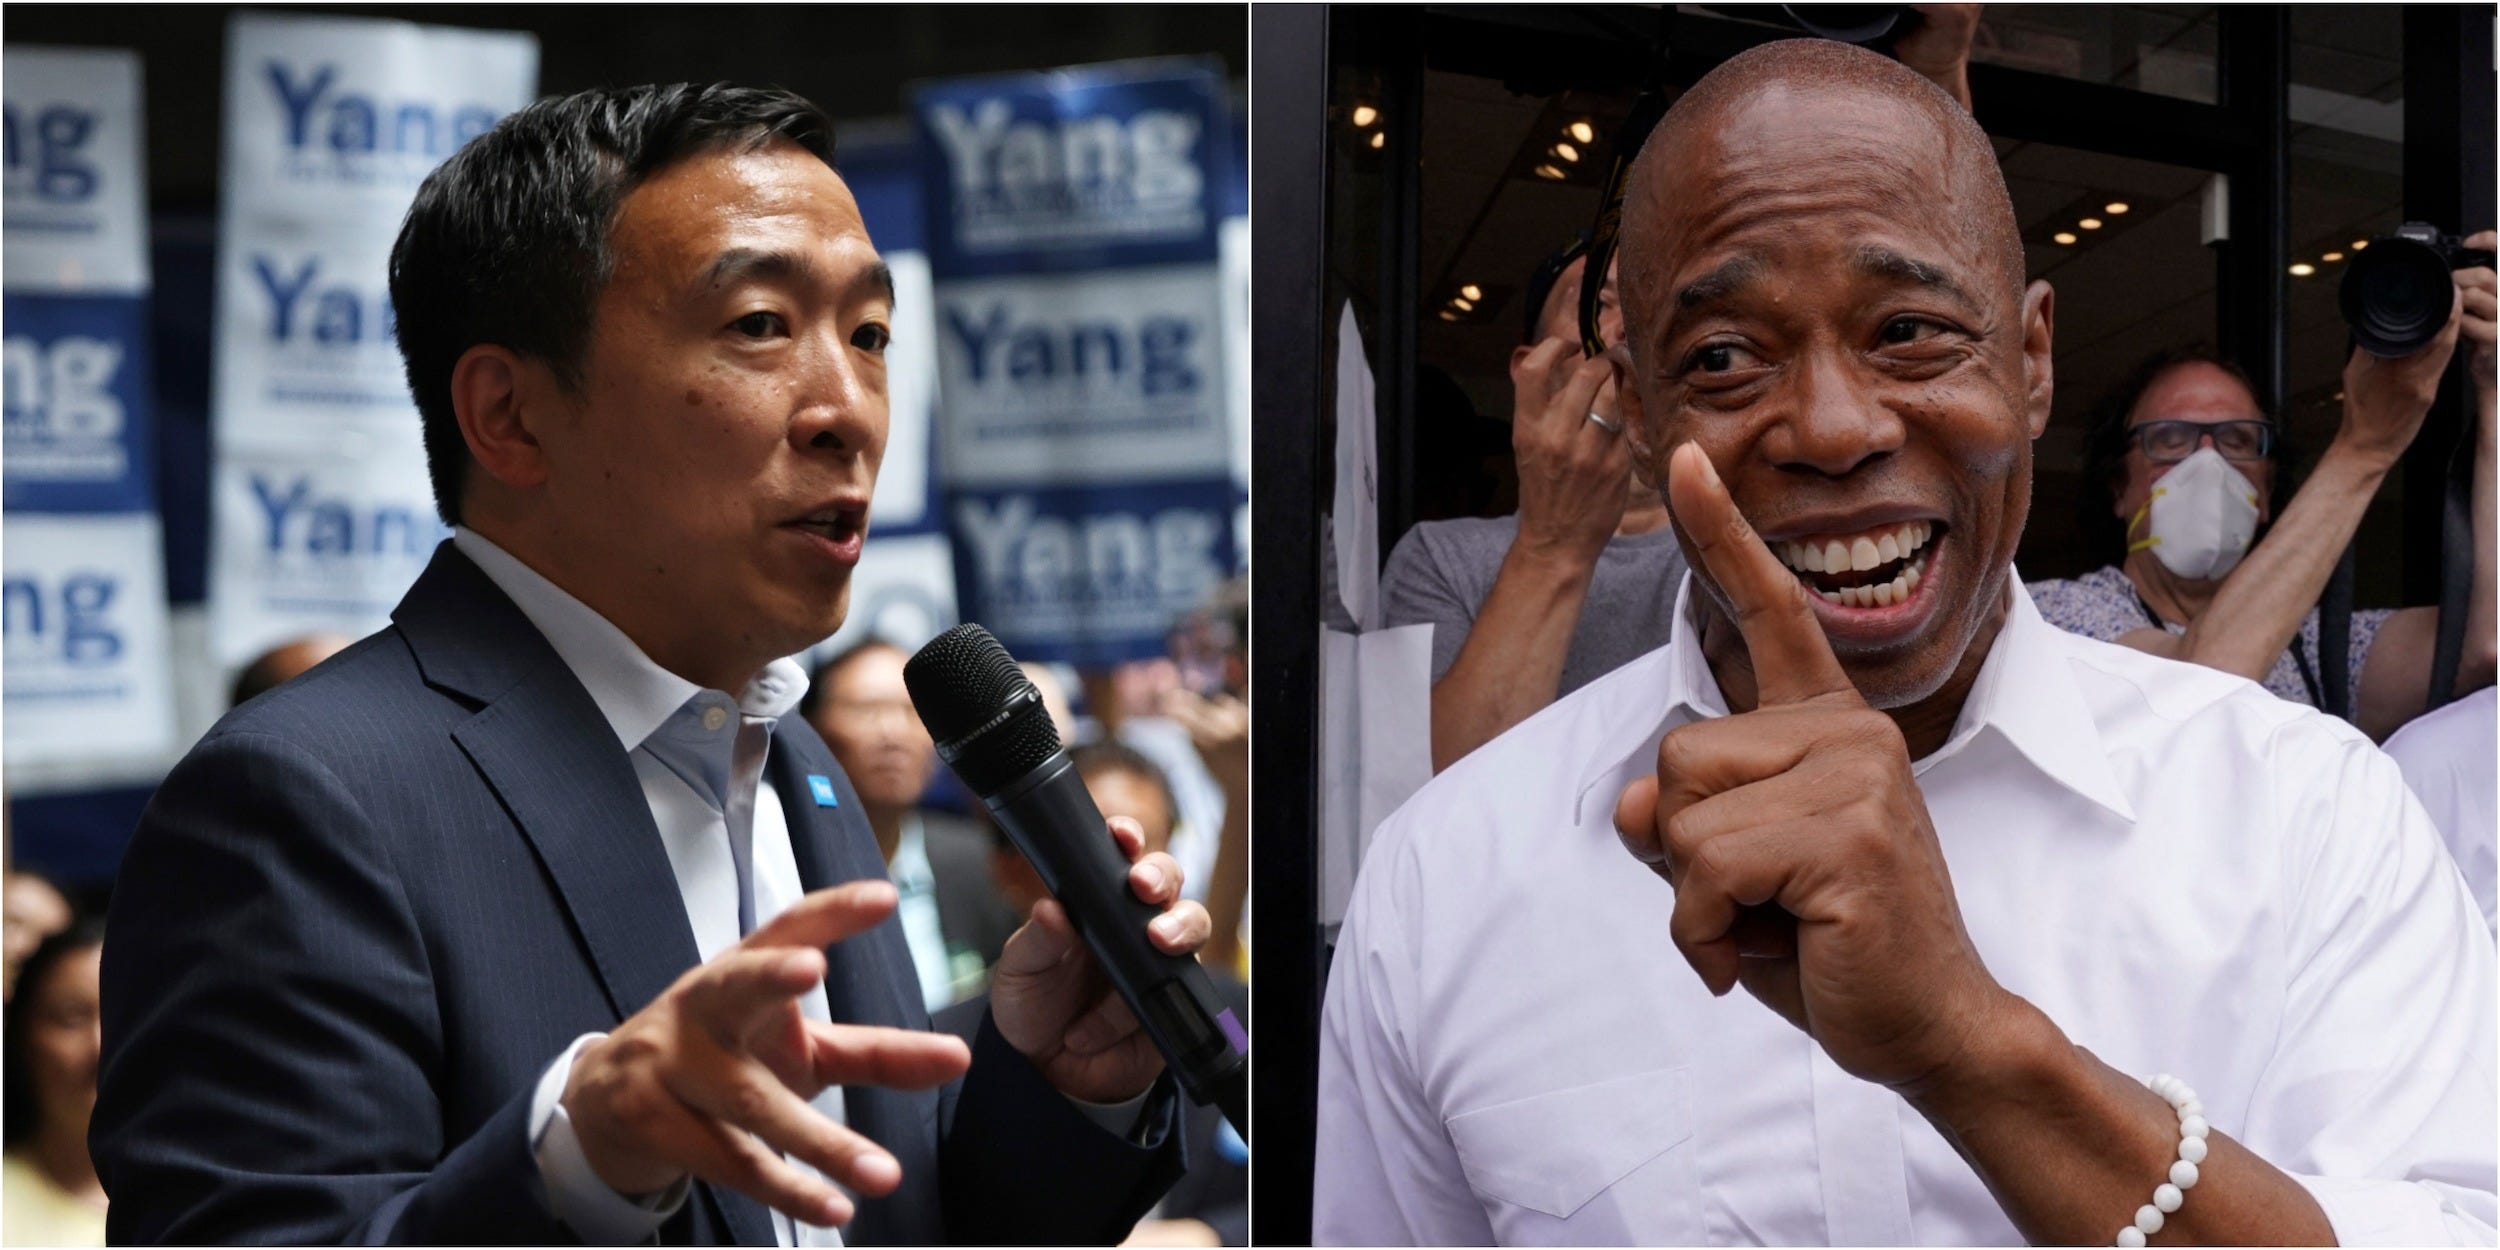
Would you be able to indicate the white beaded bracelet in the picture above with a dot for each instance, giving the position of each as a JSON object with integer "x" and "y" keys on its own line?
{"x": 2170, "y": 1195}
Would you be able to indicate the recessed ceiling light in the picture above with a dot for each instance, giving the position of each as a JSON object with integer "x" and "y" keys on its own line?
{"x": 2332, "y": 256}
{"x": 2115, "y": 208}
{"x": 2063, "y": 236}
{"x": 1379, "y": 142}
{"x": 1447, "y": 315}
{"x": 2090, "y": 223}
{"x": 2358, "y": 244}
{"x": 1463, "y": 304}
{"x": 1583, "y": 131}
{"x": 1365, "y": 115}
{"x": 1566, "y": 151}
{"x": 1472, "y": 291}
{"x": 1548, "y": 171}
{"x": 2303, "y": 269}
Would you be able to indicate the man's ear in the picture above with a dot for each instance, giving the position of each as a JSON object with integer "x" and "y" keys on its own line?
{"x": 497, "y": 395}
{"x": 1630, "y": 414}
{"x": 2039, "y": 377}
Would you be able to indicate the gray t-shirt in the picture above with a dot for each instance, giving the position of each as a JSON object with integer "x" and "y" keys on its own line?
{"x": 1442, "y": 570}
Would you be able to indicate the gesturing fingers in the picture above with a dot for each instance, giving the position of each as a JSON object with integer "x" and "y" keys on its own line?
{"x": 824, "y": 917}
{"x": 855, "y": 1054}
{"x": 1792, "y": 660}
{"x": 743, "y": 1095}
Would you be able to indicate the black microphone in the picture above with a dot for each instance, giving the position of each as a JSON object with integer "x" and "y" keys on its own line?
{"x": 992, "y": 729}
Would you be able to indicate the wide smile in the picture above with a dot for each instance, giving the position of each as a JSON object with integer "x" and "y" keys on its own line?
{"x": 1871, "y": 586}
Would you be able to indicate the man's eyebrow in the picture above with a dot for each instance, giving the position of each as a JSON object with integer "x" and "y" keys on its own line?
{"x": 1877, "y": 261}
{"x": 1719, "y": 283}
{"x": 741, "y": 264}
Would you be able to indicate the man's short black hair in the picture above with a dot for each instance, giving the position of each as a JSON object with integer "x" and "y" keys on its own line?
{"x": 507, "y": 242}
{"x": 2104, "y": 532}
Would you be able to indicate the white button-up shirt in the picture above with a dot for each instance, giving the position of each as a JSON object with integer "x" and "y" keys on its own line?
{"x": 2186, "y": 873}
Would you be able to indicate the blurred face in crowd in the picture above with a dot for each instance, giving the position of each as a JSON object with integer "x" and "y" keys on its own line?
{"x": 1118, "y": 792}
{"x": 32, "y": 911}
{"x": 1825, "y": 292}
{"x": 708, "y": 484}
{"x": 65, "y": 1038}
{"x": 2207, "y": 395}
{"x": 866, "y": 716}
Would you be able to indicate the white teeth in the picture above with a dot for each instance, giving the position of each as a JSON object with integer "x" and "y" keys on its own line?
{"x": 1832, "y": 595}
{"x": 1889, "y": 547}
{"x": 1909, "y": 577}
{"x": 1883, "y": 594}
{"x": 1856, "y": 554}
{"x": 1835, "y": 557}
{"x": 1862, "y": 556}
{"x": 1809, "y": 557}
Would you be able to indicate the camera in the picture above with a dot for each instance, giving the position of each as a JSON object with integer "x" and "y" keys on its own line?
{"x": 2396, "y": 293}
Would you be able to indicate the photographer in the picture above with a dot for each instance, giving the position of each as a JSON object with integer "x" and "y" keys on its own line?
{"x": 2196, "y": 585}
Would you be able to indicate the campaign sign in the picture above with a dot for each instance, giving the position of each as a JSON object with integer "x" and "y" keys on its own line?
{"x": 342, "y": 117}
{"x": 74, "y": 200}
{"x": 306, "y": 342}
{"x": 1072, "y": 170}
{"x": 1116, "y": 375}
{"x": 1091, "y": 576}
{"x": 309, "y": 544}
{"x": 77, "y": 388}
{"x": 82, "y": 608}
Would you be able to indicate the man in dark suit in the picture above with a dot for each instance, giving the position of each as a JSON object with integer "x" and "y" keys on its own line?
{"x": 951, "y": 909}
{"x": 531, "y": 917}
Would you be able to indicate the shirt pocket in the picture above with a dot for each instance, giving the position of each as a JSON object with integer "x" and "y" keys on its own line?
{"x": 1605, "y": 1163}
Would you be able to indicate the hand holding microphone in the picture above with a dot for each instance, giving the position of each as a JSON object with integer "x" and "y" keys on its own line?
{"x": 1053, "y": 999}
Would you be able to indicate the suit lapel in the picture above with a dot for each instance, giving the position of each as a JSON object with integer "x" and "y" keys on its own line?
{"x": 865, "y": 978}
{"x": 551, "y": 757}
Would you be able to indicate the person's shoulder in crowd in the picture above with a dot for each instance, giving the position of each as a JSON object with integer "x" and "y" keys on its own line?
{"x": 1438, "y": 565}
{"x": 357, "y": 696}
{"x": 2099, "y": 604}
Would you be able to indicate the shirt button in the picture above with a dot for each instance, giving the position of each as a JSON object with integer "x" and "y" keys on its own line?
{"x": 714, "y": 718}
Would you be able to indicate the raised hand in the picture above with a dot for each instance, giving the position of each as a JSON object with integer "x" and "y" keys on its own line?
{"x": 1804, "y": 863}
{"x": 1574, "y": 475}
{"x": 1052, "y": 1002}
{"x": 713, "y": 1077}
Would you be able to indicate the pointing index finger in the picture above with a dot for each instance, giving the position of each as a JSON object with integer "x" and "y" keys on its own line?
{"x": 1792, "y": 660}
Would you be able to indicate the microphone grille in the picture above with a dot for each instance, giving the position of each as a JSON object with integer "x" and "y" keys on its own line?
{"x": 960, "y": 680}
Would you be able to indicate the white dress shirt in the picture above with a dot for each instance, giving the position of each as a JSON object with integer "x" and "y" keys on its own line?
{"x": 2184, "y": 872}
{"x": 2447, "y": 757}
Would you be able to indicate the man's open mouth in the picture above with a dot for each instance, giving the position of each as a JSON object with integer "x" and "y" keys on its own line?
{"x": 1873, "y": 569}
{"x": 838, "y": 525}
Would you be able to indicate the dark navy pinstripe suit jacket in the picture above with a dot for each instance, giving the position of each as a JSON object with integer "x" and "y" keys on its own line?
{"x": 363, "y": 914}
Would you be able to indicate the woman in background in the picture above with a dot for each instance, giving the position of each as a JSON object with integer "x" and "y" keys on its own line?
{"x": 49, "y": 1194}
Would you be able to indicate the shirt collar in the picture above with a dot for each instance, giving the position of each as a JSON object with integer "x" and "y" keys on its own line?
{"x": 635, "y": 694}
{"x": 2025, "y": 693}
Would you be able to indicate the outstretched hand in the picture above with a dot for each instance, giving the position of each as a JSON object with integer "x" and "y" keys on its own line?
{"x": 1804, "y": 863}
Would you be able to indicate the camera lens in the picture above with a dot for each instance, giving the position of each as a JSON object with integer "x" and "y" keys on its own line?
{"x": 2396, "y": 296}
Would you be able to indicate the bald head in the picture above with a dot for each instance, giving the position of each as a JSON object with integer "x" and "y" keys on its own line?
{"x": 1822, "y": 106}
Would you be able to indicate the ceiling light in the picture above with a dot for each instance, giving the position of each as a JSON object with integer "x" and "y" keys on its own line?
{"x": 1379, "y": 142}
{"x": 2303, "y": 269}
{"x": 2063, "y": 237}
{"x": 2090, "y": 223}
{"x": 1566, "y": 151}
{"x": 1472, "y": 291}
{"x": 2115, "y": 208}
{"x": 1583, "y": 131}
{"x": 2332, "y": 256}
{"x": 1548, "y": 171}
{"x": 2358, "y": 244}
{"x": 1365, "y": 115}
{"x": 1463, "y": 304}
{"x": 1447, "y": 315}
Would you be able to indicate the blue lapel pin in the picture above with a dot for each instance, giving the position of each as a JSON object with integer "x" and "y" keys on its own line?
{"x": 822, "y": 787}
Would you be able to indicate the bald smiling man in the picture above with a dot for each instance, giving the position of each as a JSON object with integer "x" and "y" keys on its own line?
{"x": 1978, "y": 880}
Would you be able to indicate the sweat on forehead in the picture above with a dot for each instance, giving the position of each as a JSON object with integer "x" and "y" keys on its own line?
{"x": 1851, "y": 82}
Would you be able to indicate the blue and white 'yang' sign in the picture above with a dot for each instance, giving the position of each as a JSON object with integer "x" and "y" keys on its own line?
{"x": 322, "y": 504}
{"x": 1081, "y": 412}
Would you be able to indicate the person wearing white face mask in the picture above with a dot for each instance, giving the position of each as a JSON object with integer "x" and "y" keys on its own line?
{"x": 2188, "y": 466}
